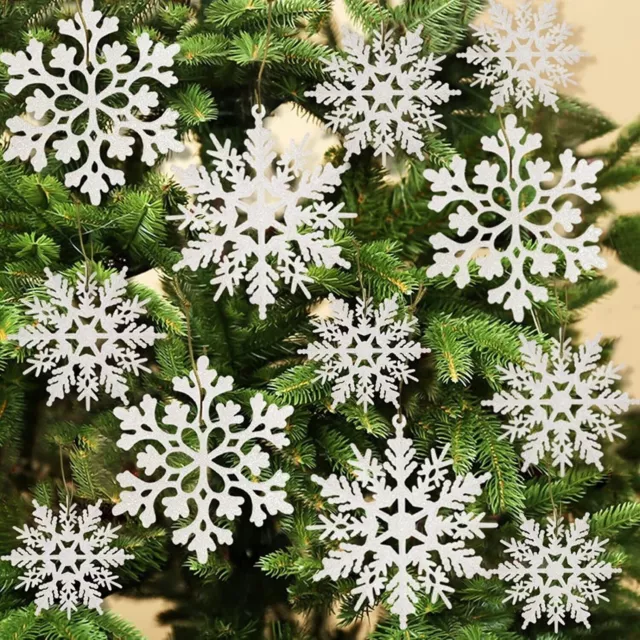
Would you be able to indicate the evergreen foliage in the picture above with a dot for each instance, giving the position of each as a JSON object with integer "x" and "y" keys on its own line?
{"x": 234, "y": 53}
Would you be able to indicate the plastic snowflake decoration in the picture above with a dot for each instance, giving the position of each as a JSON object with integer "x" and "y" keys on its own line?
{"x": 364, "y": 352}
{"x": 561, "y": 404}
{"x": 383, "y": 94}
{"x": 555, "y": 570}
{"x": 68, "y": 558}
{"x": 523, "y": 56}
{"x": 401, "y": 526}
{"x": 205, "y": 460}
{"x": 275, "y": 220}
{"x": 86, "y": 335}
{"x": 98, "y": 115}
{"x": 515, "y": 214}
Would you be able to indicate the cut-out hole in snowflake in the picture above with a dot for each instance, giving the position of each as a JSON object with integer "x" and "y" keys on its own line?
{"x": 68, "y": 558}
{"x": 383, "y": 94}
{"x": 204, "y": 458}
{"x": 86, "y": 335}
{"x": 555, "y": 570}
{"x": 401, "y": 526}
{"x": 269, "y": 225}
{"x": 516, "y": 212}
{"x": 561, "y": 403}
{"x": 364, "y": 352}
{"x": 88, "y": 79}
{"x": 523, "y": 56}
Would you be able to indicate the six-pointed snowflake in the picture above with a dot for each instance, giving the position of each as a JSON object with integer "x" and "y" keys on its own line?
{"x": 86, "y": 335}
{"x": 520, "y": 215}
{"x": 277, "y": 220}
{"x": 401, "y": 526}
{"x": 561, "y": 404}
{"x": 96, "y": 116}
{"x": 383, "y": 94}
{"x": 523, "y": 56}
{"x": 68, "y": 558}
{"x": 206, "y": 461}
{"x": 555, "y": 570}
{"x": 364, "y": 352}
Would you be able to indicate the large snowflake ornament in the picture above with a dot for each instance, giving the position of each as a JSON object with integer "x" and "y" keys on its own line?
{"x": 365, "y": 352}
{"x": 401, "y": 526}
{"x": 96, "y": 116}
{"x": 555, "y": 570}
{"x": 561, "y": 403}
{"x": 523, "y": 56}
{"x": 515, "y": 212}
{"x": 383, "y": 94}
{"x": 206, "y": 460}
{"x": 268, "y": 225}
{"x": 68, "y": 558}
{"x": 86, "y": 335}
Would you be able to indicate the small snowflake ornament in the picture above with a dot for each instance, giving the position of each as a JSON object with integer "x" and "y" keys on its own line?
{"x": 68, "y": 558}
{"x": 86, "y": 335}
{"x": 516, "y": 212}
{"x": 94, "y": 117}
{"x": 383, "y": 94}
{"x": 561, "y": 403}
{"x": 401, "y": 525}
{"x": 555, "y": 570}
{"x": 205, "y": 460}
{"x": 523, "y": 56}
{"x": 365, "y": 352}
{"x": 269, "y": 225}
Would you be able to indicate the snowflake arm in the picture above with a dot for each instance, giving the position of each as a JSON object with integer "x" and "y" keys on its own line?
{"x": 86, "y": 336}
{"x": 523, "y": 56}
{"x": 91, "y": 105}
{"x": 534, "y": 245}
{"x": 555, "y": 570}
{"x": 209, "y": 461}
{"x": 401, "y": 526}
{"x": 364, "y": 353}
{"x": 383, "y": 94}
{"x": 560, "y": 403}
{"x": 267, "y": 225}
{"x": 68, "y": 558}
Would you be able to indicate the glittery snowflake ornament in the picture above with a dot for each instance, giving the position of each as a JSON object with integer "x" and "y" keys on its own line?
{"x": 383, "y": 94}
{"x": 269, "y": 225}
{"x": 561, "y": 403}
{"x": 555, "y": 570}
{"x": 68, "y": 558}
{"x": 204, "y": 459}
{"x": 365, "y": 352}
{"x": 94, "y": 118}
{"x": 86, "y": 335}
{"x": 523, "y": 56}
{"x": 518, "y": 212}
{"x": 401, "y": 525}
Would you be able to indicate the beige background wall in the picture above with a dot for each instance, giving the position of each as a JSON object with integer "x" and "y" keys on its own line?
{"x": 607, "y": 30}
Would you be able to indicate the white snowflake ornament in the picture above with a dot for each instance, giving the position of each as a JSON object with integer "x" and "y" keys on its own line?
{"x": 401, "y": 526}
{"x": 383, "y": 94}
{"x": 86, "y": 335}
{"x": 205, "y": 460}
{"x": 365, "y": 352}
{"x": 269, "y": 225}
{"x": 555, "y": 570}
{"x": 97, "y": 117}
{"x": 516, "y": 212}
{"x": 68, "y": 558}
{"x": 561, "y": 403}
{"x": 523, "y": 56}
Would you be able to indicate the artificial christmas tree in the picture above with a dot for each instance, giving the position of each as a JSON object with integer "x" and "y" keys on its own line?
{"x": 284, "y": 481}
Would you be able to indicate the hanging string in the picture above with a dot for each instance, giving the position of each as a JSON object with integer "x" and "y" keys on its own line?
{"x": 68, "y": 496}
{"x": 267, "y": 43}
{"x": 85, "y": 28}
